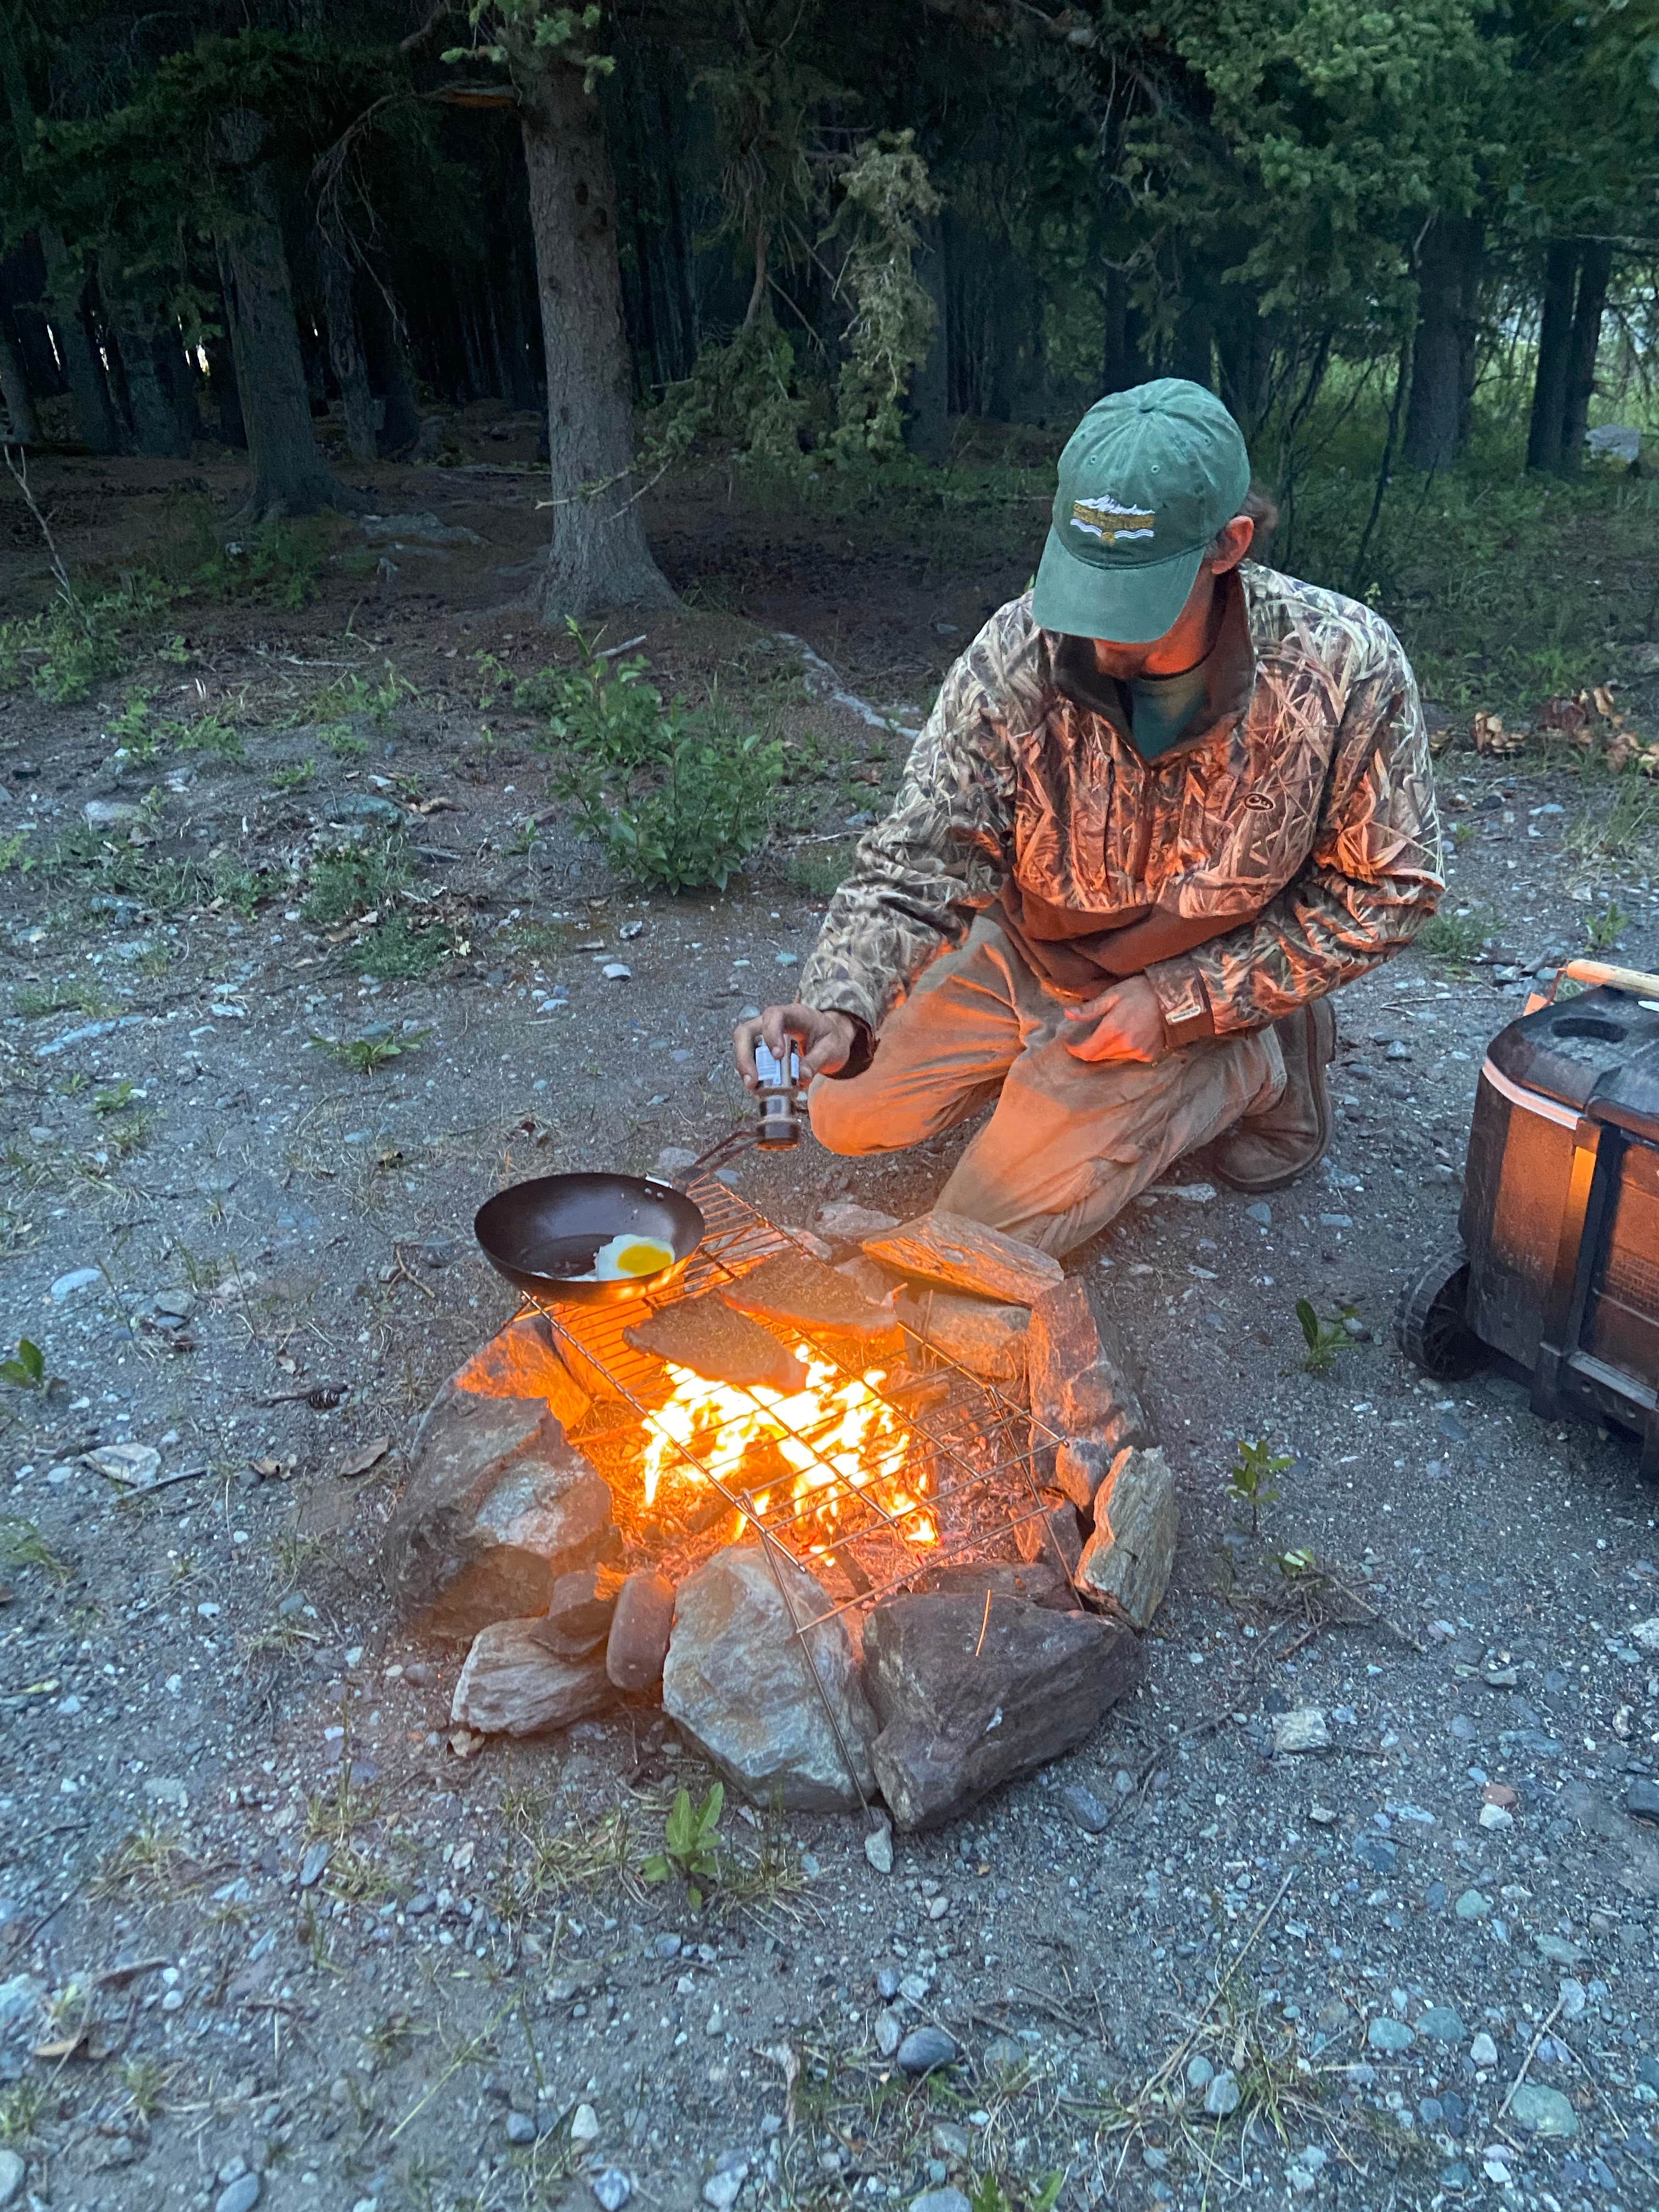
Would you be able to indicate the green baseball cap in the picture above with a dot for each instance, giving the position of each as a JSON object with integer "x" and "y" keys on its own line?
{"x": 1147, "y": 478}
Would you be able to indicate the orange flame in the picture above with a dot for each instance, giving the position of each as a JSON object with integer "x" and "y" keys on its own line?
{"x": 834, "y": 1435}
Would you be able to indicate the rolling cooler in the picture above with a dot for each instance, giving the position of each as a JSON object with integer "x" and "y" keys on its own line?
{"x": 1557, "y": 1266}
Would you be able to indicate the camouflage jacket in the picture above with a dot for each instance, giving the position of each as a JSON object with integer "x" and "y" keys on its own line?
{"x": 1286, "y": 845}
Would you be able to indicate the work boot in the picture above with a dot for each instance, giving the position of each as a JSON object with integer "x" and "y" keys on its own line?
{"x": 1264, "y": 1152}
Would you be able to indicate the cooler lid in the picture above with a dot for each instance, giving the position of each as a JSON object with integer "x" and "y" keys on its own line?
{"x": 1598, "y": 1053}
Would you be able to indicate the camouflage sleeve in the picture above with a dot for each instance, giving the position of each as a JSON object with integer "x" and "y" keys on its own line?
{"x": 1371, "y": 880}
{"x": 945, "y": 849}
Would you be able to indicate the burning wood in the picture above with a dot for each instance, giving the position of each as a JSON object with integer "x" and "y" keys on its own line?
{"x": 837, "y": 1435}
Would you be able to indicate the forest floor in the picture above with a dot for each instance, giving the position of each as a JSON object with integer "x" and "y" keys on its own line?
{"x": 471, "y": 1997}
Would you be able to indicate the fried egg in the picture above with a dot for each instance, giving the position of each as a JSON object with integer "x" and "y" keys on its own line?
{"x": 631, "y": 1255}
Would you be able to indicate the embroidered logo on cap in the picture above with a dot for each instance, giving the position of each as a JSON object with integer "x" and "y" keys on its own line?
{"x": 1104, "y": 518}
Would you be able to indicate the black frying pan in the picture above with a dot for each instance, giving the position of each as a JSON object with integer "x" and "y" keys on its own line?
{"x": 541, "y": 1234}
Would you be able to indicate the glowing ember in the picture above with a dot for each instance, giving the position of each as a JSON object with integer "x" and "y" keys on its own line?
{"x": 836, "y": 1434}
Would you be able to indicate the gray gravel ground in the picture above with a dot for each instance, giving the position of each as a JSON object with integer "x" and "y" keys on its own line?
{"x": 265, "y": 1938}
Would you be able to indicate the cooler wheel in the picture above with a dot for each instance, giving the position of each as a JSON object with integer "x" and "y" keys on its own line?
{"x": 1430, "y": 1325}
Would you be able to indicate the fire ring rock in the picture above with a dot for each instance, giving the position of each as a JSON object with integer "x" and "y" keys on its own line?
{"x": 497, "y": 1507}
{"x": 973, "y": 1690}
{"x": 737, "y": 1682}
{"x": 1129, "y": 1558}
{"x": 514, "y": 1685}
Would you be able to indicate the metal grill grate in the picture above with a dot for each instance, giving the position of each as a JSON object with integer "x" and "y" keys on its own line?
{"x": 971, "y": 1474}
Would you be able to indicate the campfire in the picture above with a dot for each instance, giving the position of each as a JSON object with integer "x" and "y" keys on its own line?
{"x": 836, "y": 1436}
{"x": 849, "y": 1565}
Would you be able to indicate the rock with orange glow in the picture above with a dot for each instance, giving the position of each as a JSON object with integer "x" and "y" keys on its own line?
{"x": 514, "y": 1685}
{"x": 1128, "y": 1558}
{"x": 639, "y": 1630}
{"x": 989, "y": 1341}
{"x": 972, "y": 1694}
{"x": 965, "y": 1255}
{"x": 497, "y": 1507}
{"x": 522, "y": 1361}
{"x": 1085, "y": 1397}
{"x": 737, "y": 1682}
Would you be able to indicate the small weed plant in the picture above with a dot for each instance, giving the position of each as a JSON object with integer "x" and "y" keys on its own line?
{"x": 690, "y": 1845}
{"x": 367, "y": 1056}
{"x": 1454, "y": 939}
{"x": 1253, "y": 1478}
{"x": 1324, "y": 1338}
{"x": 1605, "y": 929}
{"x": 22, "y": 1545}
{"x": 293, "y": 778}
{"x": 396, "y": 951}
{"x": 79, "y": 641}
{"x": 355, "y": 879}
{"x": 278, "y": 564}
{"x": 27, "y": 1369}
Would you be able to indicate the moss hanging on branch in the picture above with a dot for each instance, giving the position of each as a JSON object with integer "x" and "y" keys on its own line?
{"x": 885, "y": 190}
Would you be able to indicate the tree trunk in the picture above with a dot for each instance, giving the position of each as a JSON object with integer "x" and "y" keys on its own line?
{"x": 1193, "y": 350}
{"x": 1448, "y": 279}
{"x": 290, "y": 477}
{"x": 20, "y": 425}
{"x": 927, "y": 425}
{"x": 1122, "y": 363}
{"x": 157, "y": 430}
{"x": 82, "y": 369}
{"x": 1244, "y": 353}
{"x": 599, "y": 556}
{"x": 359, "y": 409}
{"x": 520, "y": 370}
{"x": 389, "y": 375}
{"x": 1549, "y": 387}
{"x": 1594, "y": 270}
{"x": 222, "y": 384}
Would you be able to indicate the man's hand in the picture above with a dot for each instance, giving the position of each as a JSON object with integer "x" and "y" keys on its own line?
{"x": 825, "y": 1039}
{"x": 1128, "y": 1024}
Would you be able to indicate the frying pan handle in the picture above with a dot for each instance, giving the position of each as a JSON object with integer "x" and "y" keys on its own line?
{"x": 726, "y": 1148}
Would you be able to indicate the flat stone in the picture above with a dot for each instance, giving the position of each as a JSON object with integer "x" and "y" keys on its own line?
{"x": 845, "y": 1219}
{"x": 1084, "y": 1810}
{"x": 111, "y": 813}
{"x": 1221, "y": 2094}
{"x": 314, "y": 1865}
{"x": 888, "y": 2032}
{"x": 1642, "y": 1800}
{"x": 1130, "y": 1556}
{"x": 1543, "y": 2112}
{"x": 640, "y": 1631}
{"x": 926, "y": 2049}
{"x": 723, "y": 2186}
{"x": 965, "y": 1255}
{"x": 1472, "y": 1905}
{"x": 1039, "y": 1580}
{"x": 514, "y": 1685}
{"x": 878, "y": 1848}
{"x": 612, "y": 2188}
{"x": 972, "y": 1691}
{"x": 78, "y": 1278}
{"x": 1303, "y": 1729}
{"x": 989, "y": 1341}
{"x": 583, "y": 2124}
{"x": 1054, "y": 1535}
{"x": 1483, "y": 2051}
{"x": 940, "y": 2200}
{"x": 1560, "y": 1950}
{"x": 1391, "y": 2036}
{"x": 522, "y": 1361}
{"x": 520, "y": 2127}
{"x": 580, "y": 1611}
{"x": 737, "y": 1682}
{"x": 1441, "y": 2024}
{"x": 12, "y": 2172}
{"x": 1085, "y": 1392}
{"x": 241, "y": 2195}
{"x": 497, "y": 1507}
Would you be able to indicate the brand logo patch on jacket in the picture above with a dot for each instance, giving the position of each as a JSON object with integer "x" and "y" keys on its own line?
{"x": 1102, "y": 518}
{"x": 1258, "y": 802}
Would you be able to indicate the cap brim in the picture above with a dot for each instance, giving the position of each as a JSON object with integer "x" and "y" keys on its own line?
{"x": 1125, "y": 606}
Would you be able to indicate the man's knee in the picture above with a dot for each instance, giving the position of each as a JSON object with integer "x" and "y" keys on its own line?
{"x": 842, "y": 1122}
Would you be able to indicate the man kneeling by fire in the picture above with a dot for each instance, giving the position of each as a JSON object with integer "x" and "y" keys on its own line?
{"x": 1169, "y": 800}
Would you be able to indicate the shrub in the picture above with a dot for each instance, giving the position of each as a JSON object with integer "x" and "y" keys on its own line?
{"x": 396, "y": 951}
{"x": 679, "y": 800}
{"x": 62, "y": 652}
